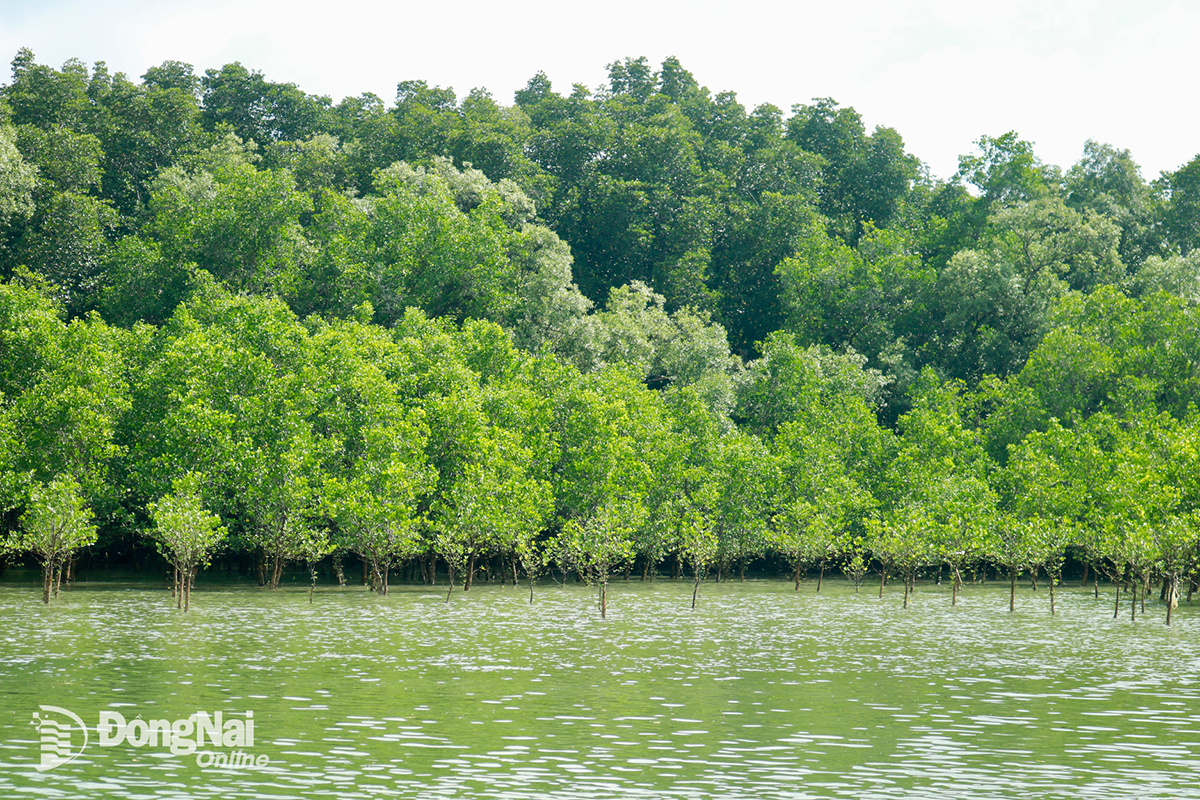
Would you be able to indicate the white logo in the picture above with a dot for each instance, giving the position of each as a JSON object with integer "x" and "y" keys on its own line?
{"x": 182, "y": 737}
{"x": 56, "y": 736}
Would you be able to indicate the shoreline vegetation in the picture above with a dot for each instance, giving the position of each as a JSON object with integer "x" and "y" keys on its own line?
{"x": 587, "y": 335}
{"x": 351, "y": 575}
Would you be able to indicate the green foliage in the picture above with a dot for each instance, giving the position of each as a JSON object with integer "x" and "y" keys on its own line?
{"x": 56, "y": 523}
{"x": 186, "y": 532}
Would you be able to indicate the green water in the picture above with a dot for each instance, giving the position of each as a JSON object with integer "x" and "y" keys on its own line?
{"x": 761, "y": 692}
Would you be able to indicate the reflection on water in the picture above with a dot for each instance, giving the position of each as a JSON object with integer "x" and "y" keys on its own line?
{"x": 760, "y": 692}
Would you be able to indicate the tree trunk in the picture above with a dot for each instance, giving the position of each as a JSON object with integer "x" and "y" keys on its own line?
{"x": 604, "y": 600}
{"x": 1052, "y": 595}
{"x": 796, "y": 576}
{"x": 882, "y": 580}
{"x": 450, "y": 568}
{"x": 470, "y": 573}
{"x": 820, "y": 578}
{"x": 191, "y": 580}
{"x": 955, "y": 582}
{"x": 1012, "y": 591}
{"x": 1085, "y": 574}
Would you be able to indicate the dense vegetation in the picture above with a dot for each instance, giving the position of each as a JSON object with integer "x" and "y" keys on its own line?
{"x": 588, "y": 332}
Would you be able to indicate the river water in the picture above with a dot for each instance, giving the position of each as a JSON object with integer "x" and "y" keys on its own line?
{"x": 760, "y": 692}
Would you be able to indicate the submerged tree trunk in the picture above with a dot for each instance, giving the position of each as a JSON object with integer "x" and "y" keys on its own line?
{"x": 470, "y": 573}
{"x": 1012, "y": 592}
{"x": 820, "y": 578}
{"x": 604, "y": 599}
{"x": 47, "y": 578}
{"x": 450, "y": 569}
{"x": 191, "y": 581}
{"x": 882, "y": 580}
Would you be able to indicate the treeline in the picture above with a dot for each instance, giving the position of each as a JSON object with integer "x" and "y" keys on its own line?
{"x": 584, "y": 331}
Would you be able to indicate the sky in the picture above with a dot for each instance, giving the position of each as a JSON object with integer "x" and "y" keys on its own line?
{"x": 941, "y": 72}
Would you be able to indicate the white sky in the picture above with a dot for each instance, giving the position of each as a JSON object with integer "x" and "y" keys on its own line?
{"x": 942, "y": 72}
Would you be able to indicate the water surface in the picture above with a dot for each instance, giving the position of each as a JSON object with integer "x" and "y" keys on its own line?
{"x": 760, "y": 692}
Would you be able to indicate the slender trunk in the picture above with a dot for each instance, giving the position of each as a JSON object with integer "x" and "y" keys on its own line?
{"x": 796, "y": 576}
{"x": 955, "y": 581}
{"x": 470, "y": 573}
{"x": 450, "y": 569}
{"x": 628, "y": 569}
{"x": 514, "y": 569}
{"x": 530, "y": 574}
{"x": 190, "y": 577}
{"x": 338, "y": 570}
{"x": 1117, "y": 602}
{"x": 1012, "y": 591}
{"x": 645, "y": 569}
{"x": 174, "y": 579}
{"x": 1033, "y": 577}
{"x": 820, "y": 578}
{"x": 1172, "y": 595}
{"x": 1133, "y": 598}
{"x": 1096, "y": 584}
{"x": 604, "y": 599}
{"x": 882, "y": 580}
{"x": 1051, "y": 595}
{"x": 47, "y": 573}
{"x": 906, "y": 593}
{"x": 695, "y": 587}
{"x": 1145, "y": 588}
